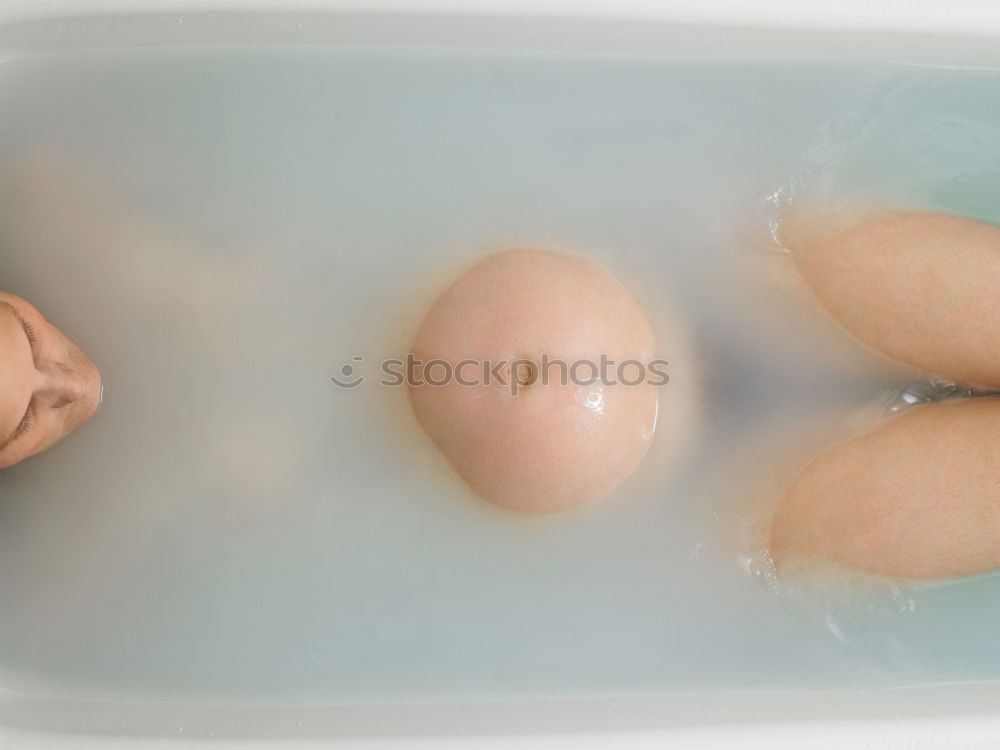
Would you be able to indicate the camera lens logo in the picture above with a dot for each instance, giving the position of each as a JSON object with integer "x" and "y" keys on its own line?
{"x": 348, "y": 375}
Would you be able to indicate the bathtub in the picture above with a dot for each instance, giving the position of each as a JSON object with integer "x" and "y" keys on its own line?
{"x": 943, "y": 32}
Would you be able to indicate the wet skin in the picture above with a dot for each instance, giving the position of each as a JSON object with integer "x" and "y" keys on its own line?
{"x": 48, "y": 386}
{"x": 919, "y": 497}
{"x": 549, "y": 445}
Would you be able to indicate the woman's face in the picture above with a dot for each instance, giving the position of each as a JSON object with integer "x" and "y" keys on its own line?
{"x": 48, "y": 387}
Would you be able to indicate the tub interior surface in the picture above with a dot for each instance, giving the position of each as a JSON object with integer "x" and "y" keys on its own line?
{"x": 223, "y": 229}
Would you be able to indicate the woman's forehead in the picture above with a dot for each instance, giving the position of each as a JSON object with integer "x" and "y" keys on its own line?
{"x": 10, "y": 333}
{"x": 10, "y": 321}
{"x": 11, "y": 318}
{"x": 10, "y": 328}
{"x": 11, "y": 336}
{"x": 8, "y": 315}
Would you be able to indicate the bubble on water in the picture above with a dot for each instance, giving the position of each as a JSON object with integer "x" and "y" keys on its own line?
{"x": 773, "y": 203}
{"x": 809, "y": 176}
{"x": 856, "y": 609}
{"x": 890, "y": 403}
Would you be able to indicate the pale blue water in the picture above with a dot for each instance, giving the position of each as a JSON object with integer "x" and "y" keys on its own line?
{"x": 221, "y": 230}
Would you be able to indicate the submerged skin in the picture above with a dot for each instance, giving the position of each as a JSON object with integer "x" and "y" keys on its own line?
{"x": 920, "y": 287}
{"x": 48, "y": 386}
{"x": 918, "y": 498}
{"x": 546, "y": 446}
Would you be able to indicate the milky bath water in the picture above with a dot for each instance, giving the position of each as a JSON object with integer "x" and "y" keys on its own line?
{"x": 223, "y": 231}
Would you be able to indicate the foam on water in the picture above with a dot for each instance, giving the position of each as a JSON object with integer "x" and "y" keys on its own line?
{"x": 221, "y": 230}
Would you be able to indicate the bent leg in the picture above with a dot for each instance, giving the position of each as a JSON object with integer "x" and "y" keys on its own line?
{"x": 918, "y": 498}
{"x": 922, "y": 288}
